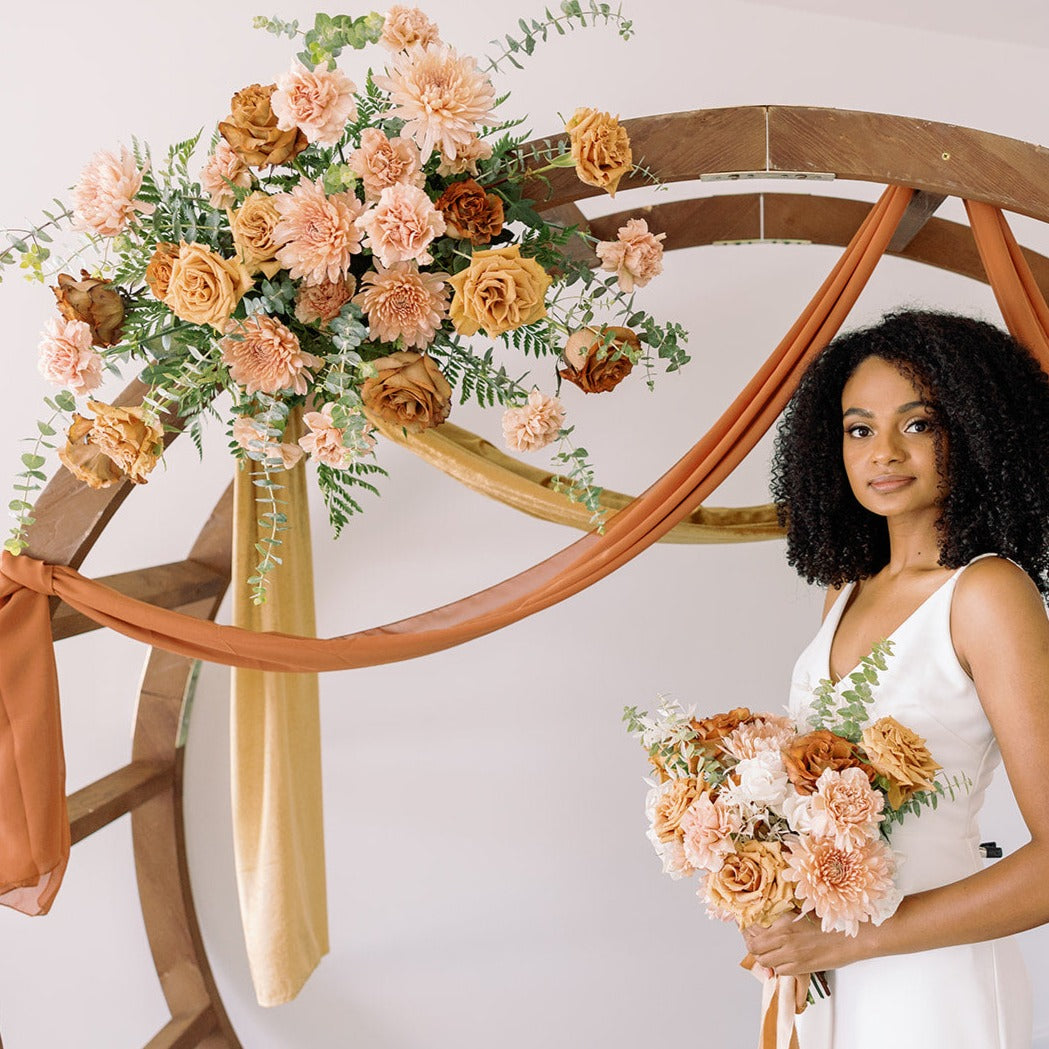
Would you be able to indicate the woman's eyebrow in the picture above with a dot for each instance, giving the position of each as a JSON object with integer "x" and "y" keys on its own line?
{"x": 909, "y": 406}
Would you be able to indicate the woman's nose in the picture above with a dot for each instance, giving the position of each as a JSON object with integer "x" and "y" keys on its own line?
{"x": 886, "y": 448}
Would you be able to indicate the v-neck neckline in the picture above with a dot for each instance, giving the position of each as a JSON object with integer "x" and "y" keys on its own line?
{"x": 838, "y": 613}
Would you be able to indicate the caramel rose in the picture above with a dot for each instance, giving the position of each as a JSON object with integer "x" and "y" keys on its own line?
{"x": 95, "y": 302}
{"x": 470, "y": 213}
{"x": 498, "y": 291}
{"x": 599, "y": 359}
{"x": 117, "y": 443}
{"x": 808, "y": 756}
{"x": 409, "y": 390}
{"x": 158, "y": 272}
{"x": 205, "y": 288}
{"x": 252, "y": 225}
{"x": 714, "y": 728}
{"x": 251, "y": 129}
{"x": 750, "y": 887}
{"x": 600, "y": 149}
{"x": 672, "y": 804}
{"x": 902, "y": 757}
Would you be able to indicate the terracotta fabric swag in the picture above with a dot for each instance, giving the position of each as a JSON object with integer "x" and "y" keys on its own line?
{"x": 34, "y": 832}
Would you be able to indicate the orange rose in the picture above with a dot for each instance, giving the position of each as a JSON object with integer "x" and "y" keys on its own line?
{"x": 158, "y": 272}
{"x": 95, "y": 302}
{"x": 409, "y": 390}
{"x": 750, "y": 887}
{"x": 600, "y": 149}
{"x": 470, "y": 213}
{"x": 251, "y": 129}
{"x": 902, "y": 757}
{"x": 499, "y": 291}
{"x": 205, "y": 288}
{"x": 599, "y": 359}
{"x": 810, "y": 755}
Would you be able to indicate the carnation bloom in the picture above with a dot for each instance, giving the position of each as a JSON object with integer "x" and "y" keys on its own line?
{"x": 326, "y": 441}
{"x": 763, "y": 733}
{"x": 636, "y": 256}
{"x": 403, "y": 303}
{"x": 67, "y": 357}
{"x": 322, "y": 302}
{"x": 401, "y": 225}
{"x": 708, "y": 827}
{"x": 466, "y": 156}
{"x": 535, "y": 424}
{"x": 263, "y": 355}
{"x": 405, "y": 27}
{"x": 104, "y": 197}
{"x": 441, "y": 97}
{"x": 319, "y": 101}
{"x": 843, "y": 887}
{"x": 220, "y": 169}
{"x": 844, "y": 809}
{"x": 382, "y": 162}
{"x": 318, "y": 234}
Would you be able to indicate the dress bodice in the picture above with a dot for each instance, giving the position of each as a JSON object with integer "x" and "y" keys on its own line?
{"x": 924, "y": 688}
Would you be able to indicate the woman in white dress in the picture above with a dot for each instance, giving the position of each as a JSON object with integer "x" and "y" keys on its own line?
{"x": 912, "y": 454}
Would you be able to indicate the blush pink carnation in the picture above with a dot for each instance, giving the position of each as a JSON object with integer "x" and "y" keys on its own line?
{"x": 326, "y": 441}
{"x": 319, "y": 101}
{"x": 843, "y": 809}
{"x": 104, "y": 197}
{"x": 401, "y": 225}
{"x": 708, "y": 827}
{"x": 843, "y": 887}
{"x": 768, "y": 732}
{"x": 635, "y": 256}
{"x": 265, "y": 356}
{"x": 405, "y": 27}
{"x": 442, "y": 98}
{"x": 403, "y": 303}
{"x": 535, "y": 424}
{"x": 220, "y": 169}
{"x": 318, "y": 234}
{"x": 67, "y": 357}
{"x": 382, "y": 162}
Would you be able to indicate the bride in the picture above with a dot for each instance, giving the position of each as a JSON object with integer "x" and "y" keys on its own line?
{"x": 912, "y": 469}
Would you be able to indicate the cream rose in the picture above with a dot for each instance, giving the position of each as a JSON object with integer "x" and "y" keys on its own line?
{"x": 205, "y": 288}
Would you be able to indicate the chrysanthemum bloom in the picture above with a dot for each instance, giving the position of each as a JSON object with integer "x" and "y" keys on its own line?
{"x": 322, "y": 302}
{"x": 533, "y": 425}
{"x": 635, "y": 256}
{"x": 402, "y": 303}
{"x": 406, "y": 27}
{"x": 467, "y": 154}
{"x": 768, "y": 732}
{"x": 326, "y": 442}
{"x": 319, "y": 101}
{"x": 707, "y": 828}
{"x": 442, "y": 98}
{"x": 265, "y": 356}
{"x": 843, "y": 887}
{"x": 401, "y": 225}
{"x": 382, "y": 162}
{"x": 220, "y": 169}
{"x": 104, "y": 197}
{"x": 67, "y": 357}
{"x": 318, "y": 234}
{"x": 499, "y": 291}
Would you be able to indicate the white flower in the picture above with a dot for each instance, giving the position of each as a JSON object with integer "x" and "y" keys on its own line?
{"x": 763, "y": 779}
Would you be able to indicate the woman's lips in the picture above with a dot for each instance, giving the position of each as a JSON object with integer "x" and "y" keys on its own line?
{"x": 890, "y": 484}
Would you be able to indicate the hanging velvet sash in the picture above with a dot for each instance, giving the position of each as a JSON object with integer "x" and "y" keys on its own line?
{"x": 34, "y": 833}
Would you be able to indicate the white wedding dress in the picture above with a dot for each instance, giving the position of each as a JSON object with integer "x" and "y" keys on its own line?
{"x": 973, "y": 996}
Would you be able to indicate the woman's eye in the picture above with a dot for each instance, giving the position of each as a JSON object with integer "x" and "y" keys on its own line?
{"x": 858, "y": 431}
{"x": 919, "y": 425}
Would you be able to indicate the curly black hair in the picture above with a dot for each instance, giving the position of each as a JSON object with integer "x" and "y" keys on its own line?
{"x": 991, "y": 403}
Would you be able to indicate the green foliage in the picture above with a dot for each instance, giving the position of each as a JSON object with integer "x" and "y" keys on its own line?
{"x": 477, "y": 377}
{"x": 578, "y": 482}
{"x": 923, "y": 799}
{"x": 846, "y": 713}
{"x": 337, "y": 486}
{"x": 329, "y": 36}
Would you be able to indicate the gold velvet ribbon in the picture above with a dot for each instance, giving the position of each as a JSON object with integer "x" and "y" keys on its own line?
{"x": 782, "y": 998}
{"x": 33, "y": 836}
{"x": 275, "y": 753}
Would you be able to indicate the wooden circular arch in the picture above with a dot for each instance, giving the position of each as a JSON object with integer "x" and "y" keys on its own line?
{"x": 747, "y": 142}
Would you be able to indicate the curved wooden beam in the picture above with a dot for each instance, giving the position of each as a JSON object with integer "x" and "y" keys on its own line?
{"x": 809, "y": 142}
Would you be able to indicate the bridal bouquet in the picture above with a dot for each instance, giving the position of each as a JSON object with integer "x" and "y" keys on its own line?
{"x": 355, "y": 247}
{"x": 778, "y": 820}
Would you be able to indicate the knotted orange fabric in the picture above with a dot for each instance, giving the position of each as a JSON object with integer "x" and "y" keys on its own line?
{"x": 34, "y": 840}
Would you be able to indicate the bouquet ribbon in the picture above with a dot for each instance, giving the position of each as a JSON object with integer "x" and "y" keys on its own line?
{"x": 782, "y": 998}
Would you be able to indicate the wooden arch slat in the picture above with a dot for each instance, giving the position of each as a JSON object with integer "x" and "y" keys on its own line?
{"x": 867, "y": 147}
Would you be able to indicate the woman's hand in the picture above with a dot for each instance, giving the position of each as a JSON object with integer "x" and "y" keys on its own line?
{"x": 794, "y": 946}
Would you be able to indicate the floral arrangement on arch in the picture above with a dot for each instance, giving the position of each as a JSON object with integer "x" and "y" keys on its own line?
{"x": 351, "y": 248}
{"x": 778, "y": 818}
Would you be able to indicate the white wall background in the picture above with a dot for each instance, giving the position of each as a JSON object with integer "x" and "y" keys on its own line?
{"x": 489, "y": 877}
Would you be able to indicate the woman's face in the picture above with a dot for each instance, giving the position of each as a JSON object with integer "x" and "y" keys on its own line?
{"x": 890, "y": 435}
